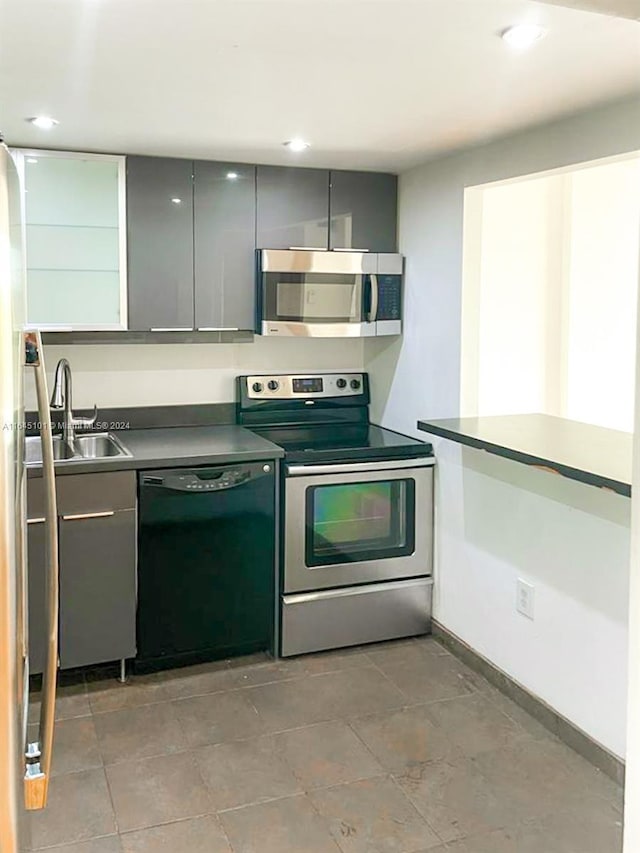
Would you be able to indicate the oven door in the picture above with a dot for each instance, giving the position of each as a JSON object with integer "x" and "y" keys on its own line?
{"x": 316, "y": 294}
{"x": 349, "y": 524}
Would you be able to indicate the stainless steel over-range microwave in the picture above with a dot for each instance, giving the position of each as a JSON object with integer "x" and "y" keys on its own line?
{"x": 307, "y": 293}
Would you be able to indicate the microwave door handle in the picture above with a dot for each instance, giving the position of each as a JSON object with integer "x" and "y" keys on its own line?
{"x": 38, "y": 754}
{"x": 373, "y": 311}
{"x": 357, "y": 294}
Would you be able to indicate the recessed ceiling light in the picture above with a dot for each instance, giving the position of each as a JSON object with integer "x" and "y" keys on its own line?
{"x": 176, "y": 201}
{"x": 232, "y": 176}
{"x": 43, "y": 122}
{"x": 522, "y": 36}
{"x": 31, "y": 160}
{"x": 296, "y": 144}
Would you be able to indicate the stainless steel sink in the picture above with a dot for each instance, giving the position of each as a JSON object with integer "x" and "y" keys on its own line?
{"x": 33, "y": 450}
{"x": 101, "y": 445}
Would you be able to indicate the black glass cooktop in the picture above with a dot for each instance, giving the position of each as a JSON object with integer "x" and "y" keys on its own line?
{"x": 343, "y": 442}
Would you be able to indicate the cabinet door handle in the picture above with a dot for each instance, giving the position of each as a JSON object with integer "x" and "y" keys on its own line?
{"x": 54, "y": 327}
{"x": 80, "y": 515}
{"x": 36, "y": 520}
{"x": 218, "y": 328}
{"x": 171, "y": 329}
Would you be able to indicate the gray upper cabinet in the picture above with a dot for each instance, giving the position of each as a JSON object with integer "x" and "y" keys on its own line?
{"x": 160, "y": 243}
{"x": 224, "y": 245}
{"x": 75, "y": 240}
{"x": 364, "y": 211}
{"x": 292, "y": 208}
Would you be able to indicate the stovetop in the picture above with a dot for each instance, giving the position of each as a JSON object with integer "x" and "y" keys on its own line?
{"x": 342, "y": 442}
{"x": 320, "y": 417}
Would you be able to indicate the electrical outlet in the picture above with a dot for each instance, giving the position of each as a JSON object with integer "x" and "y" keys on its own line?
{"x": 525, "y": 594}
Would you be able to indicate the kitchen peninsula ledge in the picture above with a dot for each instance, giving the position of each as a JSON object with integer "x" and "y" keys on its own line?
{"x": 589, "y": 454}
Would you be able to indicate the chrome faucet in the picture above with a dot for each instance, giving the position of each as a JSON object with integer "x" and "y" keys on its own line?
{"x": 61, "y": 398}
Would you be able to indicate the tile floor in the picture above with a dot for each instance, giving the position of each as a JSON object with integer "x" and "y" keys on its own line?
{"x": 396, "y": 748}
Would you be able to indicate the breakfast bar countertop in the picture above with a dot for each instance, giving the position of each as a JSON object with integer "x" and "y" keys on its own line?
{"x": 590, "y": 454}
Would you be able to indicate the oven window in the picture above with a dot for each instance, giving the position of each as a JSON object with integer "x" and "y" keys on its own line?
{"x": 356, "y": 522}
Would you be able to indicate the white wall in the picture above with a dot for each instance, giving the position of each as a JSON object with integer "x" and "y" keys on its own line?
{"x": 505, "y": 361}
{"x": 549, "y": 294}
{"x": 602, "y": 294}
{"x": 419, "y": 377}
{"x": 632, "y": 776}
{"x": 499, "y": 521}
{"x": 166, "y": 374}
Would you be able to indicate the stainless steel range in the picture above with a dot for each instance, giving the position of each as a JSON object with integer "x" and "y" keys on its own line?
{"x": 357, "y": 510}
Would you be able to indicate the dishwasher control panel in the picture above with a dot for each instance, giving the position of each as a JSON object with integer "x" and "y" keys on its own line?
{"x": 205, "y": 479}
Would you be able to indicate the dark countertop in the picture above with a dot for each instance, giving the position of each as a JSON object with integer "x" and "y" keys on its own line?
{"x": 175, "y": 447}
{"x": 590, "y": 454}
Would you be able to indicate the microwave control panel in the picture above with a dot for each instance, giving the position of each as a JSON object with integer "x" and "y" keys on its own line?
{"x": 389, "y": 297}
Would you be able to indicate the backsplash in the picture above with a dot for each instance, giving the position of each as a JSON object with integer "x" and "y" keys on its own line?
{"x": 150, "y": 375}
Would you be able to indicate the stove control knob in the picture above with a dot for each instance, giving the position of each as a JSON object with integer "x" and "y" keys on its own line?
{"x": 272, "y": 385}
{"x": 341, "y": 383}
{"x": 355, "y": 384}
{"x": 257, "y": 387}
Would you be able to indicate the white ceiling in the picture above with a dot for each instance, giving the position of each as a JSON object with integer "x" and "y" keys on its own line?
{"x": 623, "y": 8}
{"x": 373, "y": 84}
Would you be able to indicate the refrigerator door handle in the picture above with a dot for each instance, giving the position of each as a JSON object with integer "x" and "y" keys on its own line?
{"x": 38, "y": 754}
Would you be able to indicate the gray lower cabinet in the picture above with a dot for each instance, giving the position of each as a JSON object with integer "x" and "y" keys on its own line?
{"x": 97, "y": 588}
{"x": 364, "y": 211}
{"x": 224, "y": 242}
{"x": 97, "y": 550}
{"x": 292, "y": 208}
{"x": 160, "y": 243}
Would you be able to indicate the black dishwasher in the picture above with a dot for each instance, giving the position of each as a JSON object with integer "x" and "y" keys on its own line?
{"x": 206, "y": 563}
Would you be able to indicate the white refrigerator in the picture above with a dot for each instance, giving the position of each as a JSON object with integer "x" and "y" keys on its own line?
{"x": 24, "y": 767}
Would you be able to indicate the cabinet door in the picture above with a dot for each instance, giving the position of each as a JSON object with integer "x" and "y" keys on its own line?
{"x": 224, "y": 245}
{"x": 74, "y": 228}
{"x": 37, "y": 595}
{"x": 97, "y": 588}
{"x": 364, "y": 211}
{"x": 160, "y": 243}
{"x": 293, "y": 208}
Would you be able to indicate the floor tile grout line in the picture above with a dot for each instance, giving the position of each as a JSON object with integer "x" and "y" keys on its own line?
{"x": 82, "y": 841}
{"x": 408, "y": 701}
{"x": 111, "y": 799}
{"x": 533, "y": 817}
{"x": 198, "y": 816}
{"x": 206, "y": 787}
{"x": 326, "y": 824}
{"x": 369, "y": 662}
{"x": 406, "y": 695}
{"x": 236, "y": 689}
{"x": 347, "y": 722}
{"x": 412, "y": 805}
{"x": 205, "y": 815}
{"x": 268, "y": 733}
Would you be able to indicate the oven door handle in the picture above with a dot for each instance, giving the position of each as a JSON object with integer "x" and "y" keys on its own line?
{"x": 354, "y": 467}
